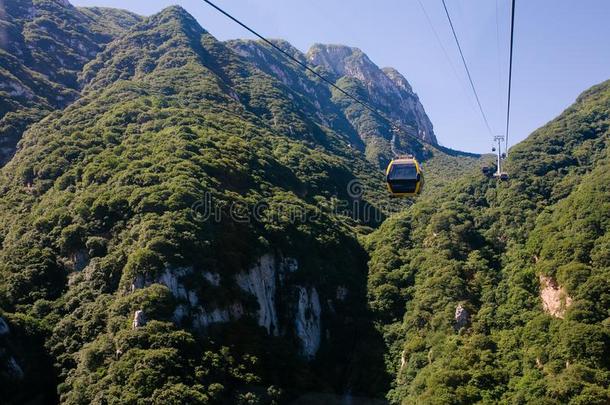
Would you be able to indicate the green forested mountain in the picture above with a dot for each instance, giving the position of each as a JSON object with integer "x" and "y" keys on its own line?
{"x": 43, "y": 46}
{"x": 500, "y": 292}
{"x": 386, "y": 90}
{"x": 108, "y": 256}
{"x": 204, "y": 222}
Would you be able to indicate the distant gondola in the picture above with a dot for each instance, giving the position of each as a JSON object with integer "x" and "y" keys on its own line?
{"x": 404, "y": 177}
{"x": 488, "y": 171}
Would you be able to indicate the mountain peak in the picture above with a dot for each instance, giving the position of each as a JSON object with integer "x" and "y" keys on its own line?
{"x": 387, "y": 89}
{"x": 166, "y": 40}
{"x": 337, "y": 58}
{"x": 64, "y": 3}
{"x": 174, "y": 13}
{"x": 174, "y": 10}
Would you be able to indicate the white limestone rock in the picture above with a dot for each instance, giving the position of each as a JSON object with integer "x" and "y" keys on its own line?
{"x": 170, "y": 278}
{"x": 341, "y": 293}
{"x": 461, "y": 317}
{"x": 139, "y": 319}
{"x": 212, "y": 278}
{"x": 202, "y": 319}
{"x": 308, "y": 321}
{"x": 14, "y": 369}
{"x": 261, "y": 282}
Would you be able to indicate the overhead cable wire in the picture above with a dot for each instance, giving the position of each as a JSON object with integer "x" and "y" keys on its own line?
{"x": 474, "y": 90}
{"x": 440, "y": 43}
{"x": 366, "y": 105}
{"x": 498, "y": 51}
{"x": 510, "y": 69}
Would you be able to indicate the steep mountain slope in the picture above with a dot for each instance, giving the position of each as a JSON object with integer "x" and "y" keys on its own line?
{"x": 175, "y": 235}
{"x": 498, "y": 292}
{"x": 312, "y": 93}
{"x": 43, "y": 46}
{"x": 183, "y": 224}
{"x": 190, "y": 224}
{"x": 386, "y": 90}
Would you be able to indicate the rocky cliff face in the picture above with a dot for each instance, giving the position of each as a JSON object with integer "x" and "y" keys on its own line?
{"x": 308, "y": 320}
{"x": 555, "y": 300}
{"x": 282, "y": 307}
{"x": 384, "y": 89}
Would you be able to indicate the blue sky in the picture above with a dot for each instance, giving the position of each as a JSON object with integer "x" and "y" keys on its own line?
{"x": 562, "y": 47}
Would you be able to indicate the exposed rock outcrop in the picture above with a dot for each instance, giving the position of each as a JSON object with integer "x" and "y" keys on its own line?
{"x": 79, "y": 260}
{"x": 9, "y": 368}
{"x": 201, "y": 316}
{"x": 387, "y": 88}
{"x": 461, "y": 317}
{"x": 4, "y": 329}
{"x": 171, "y": 279}
{"x": 555, "y": 300}
{"x": 13, "y": 369}
{"x": 139, "y": 319}
{"x": 264, "y": 281}
{"x": 261, "y": 281}
{"x": 212, "y": 278}
{"x": 308, "y": 320}
{"x": 403, "y": 359}
{"x": 342, "y": 293}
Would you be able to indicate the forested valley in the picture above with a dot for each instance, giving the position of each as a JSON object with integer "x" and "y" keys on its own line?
{"x": 187, "y": 220}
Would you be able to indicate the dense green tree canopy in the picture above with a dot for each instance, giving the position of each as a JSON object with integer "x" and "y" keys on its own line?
{"x": 176, "y": 172}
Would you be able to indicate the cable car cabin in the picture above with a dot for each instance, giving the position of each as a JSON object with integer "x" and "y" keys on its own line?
{"x": 404, "y": 177}
{"x": 501, "y": 176}
{"x": 488, "y": 171}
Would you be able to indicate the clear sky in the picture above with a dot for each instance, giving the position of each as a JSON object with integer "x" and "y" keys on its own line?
{"x": 562, "y": 47}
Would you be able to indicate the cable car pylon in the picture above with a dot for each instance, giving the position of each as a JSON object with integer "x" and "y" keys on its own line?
{"x": 500, "y": 174}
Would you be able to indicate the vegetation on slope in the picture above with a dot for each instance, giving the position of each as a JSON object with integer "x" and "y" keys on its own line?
{"x": 106, "y": 193}
{"x": 105, "y": 197}
{"x": 43, "y": 46}
{"x": 456, "y": 281}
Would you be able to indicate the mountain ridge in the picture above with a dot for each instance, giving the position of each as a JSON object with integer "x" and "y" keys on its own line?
{"x": 121, "y": 255}
{"x": 50, "y": 42}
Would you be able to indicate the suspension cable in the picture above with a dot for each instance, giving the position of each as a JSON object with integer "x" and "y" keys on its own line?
{"x": 510, "y": 69}
{"x": 467, "y": 70}
{"x": 449, "y": 62}
{"x": 499, "y": 58}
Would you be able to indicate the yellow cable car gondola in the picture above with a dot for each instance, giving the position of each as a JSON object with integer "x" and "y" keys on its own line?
{"x": 404, "y": 177}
